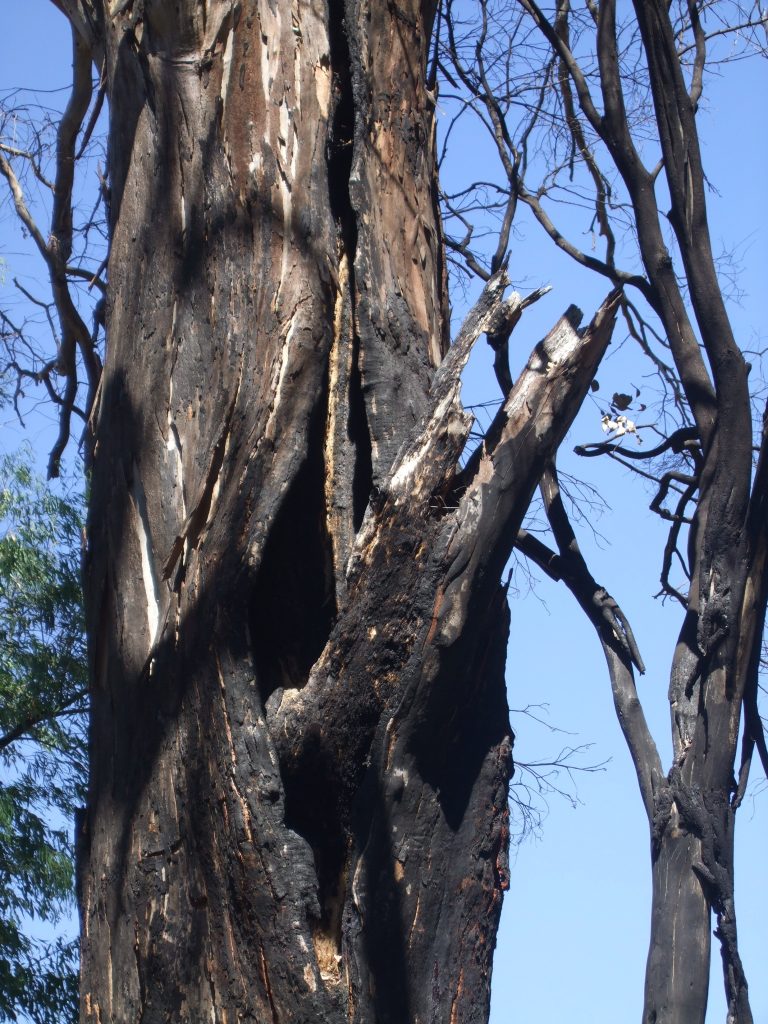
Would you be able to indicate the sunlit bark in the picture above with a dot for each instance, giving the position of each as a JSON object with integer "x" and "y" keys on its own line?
{"x": 300, "y": 745}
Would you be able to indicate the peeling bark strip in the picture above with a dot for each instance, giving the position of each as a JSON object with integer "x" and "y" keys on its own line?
{"x": 300, "y": 744}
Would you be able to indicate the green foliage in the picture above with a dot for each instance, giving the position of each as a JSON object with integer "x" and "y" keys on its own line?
{"x": 42, "y": 743}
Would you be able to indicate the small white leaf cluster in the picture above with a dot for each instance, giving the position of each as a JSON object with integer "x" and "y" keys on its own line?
{"x": 619, "y": 426}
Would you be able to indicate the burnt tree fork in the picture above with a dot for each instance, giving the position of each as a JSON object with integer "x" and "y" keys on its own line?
{"x": 300, "y": 745}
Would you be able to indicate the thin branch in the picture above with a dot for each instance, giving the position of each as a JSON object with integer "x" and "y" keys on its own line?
{"x": 697, "y": 78}
{"x": 617, "y": 640}
{"x": 558, "y": 45}
{"x": 684, "y": 439}
{"x": 26, "y": 725}
{"x": 26, "y": 155}
{"x": 21, "y": 208}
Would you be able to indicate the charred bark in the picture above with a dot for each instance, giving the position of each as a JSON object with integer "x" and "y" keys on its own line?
{"x": 300, "y": 744}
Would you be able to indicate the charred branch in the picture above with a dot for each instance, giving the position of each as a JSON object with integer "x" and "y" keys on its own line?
{"x": 75, "y": 338}
{"x": 680, "y": 441}
{"x": 683, "y": 441}
{"x": 492, "y": 501}
{"x": 498, "y": 335}
{"x": 616, "y": 637}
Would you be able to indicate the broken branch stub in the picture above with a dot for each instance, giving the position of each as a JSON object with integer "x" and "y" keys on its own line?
{"x": 407, "y": 652}
{"x": 455, "y": 554}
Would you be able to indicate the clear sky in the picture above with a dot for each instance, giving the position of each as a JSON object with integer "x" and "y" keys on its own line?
{"x": 574, "y": 932}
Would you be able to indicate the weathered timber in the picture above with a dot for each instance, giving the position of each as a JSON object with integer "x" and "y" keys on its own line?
{"x": 300, "y": 744}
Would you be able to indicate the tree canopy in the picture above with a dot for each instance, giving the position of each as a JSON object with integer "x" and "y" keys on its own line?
{"x": 42, "y": 740}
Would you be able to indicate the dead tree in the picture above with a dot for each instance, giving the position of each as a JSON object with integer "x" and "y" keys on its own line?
{"x": 612, "y": 106}
{"x": 299, "y": 740}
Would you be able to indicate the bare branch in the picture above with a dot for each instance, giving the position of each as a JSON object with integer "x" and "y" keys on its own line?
{"x": 75, "y": 337}
{"x": 22, "y": 210}
{"x": 565, "y": 55}
{"x": 684, "y": 439}
{"x": 617, "y": 640}
{"x": 697, "y": 78}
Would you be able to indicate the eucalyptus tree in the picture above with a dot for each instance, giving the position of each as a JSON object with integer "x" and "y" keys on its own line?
{"x": 42, "y": 750}
{"x": 299, "y": 739}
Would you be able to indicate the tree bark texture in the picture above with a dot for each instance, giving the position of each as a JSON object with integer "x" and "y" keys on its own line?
{"x": 300, "y": 745}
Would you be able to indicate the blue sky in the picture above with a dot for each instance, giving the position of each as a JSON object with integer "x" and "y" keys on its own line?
{"x": 573, "y": 941}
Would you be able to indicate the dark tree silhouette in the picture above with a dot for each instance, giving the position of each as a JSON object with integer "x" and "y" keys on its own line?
{"x": 610, "y": 99}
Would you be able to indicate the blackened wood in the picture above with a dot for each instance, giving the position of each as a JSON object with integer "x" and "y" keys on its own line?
{"x": 300, "y": 744}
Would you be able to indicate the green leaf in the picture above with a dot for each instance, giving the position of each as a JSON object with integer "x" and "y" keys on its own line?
{"x": 42, "y": 738}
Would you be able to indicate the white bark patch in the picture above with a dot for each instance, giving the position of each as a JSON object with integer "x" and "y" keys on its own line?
{"x": 297, "y": 55}
{"x": 287, "y": 205}
{"x": 285, "y": 123}
{"x": 174, "y": 448}
{"x": 294, "y": 151}
{"x": 226, "y": 72}
{"x": 340, "y": 356}
{"x": 271, "y": 28}
{"x": 415, "y": 919}
{"x": 559, "y": 346}
{"x": 520, "y": 395}
{"x": 282, "y": 373}
{"x": 357, "y": 897}
{"x": 407, "y": 470}
{"x": 323, "y": 87}
{"x": 217, "y": 484}
{"x": 148, "y": 574}
{"x": 453, "y": 614}
{"x": 110, "y": 985}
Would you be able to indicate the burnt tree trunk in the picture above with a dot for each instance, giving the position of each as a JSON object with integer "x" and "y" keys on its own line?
{"x": 300, "y": 745}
